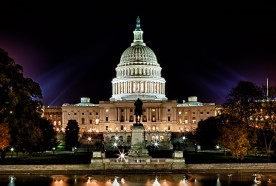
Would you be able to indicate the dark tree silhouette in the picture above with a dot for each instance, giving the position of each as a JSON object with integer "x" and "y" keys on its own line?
{"x": 20, "y": 104}
{"x": 71, "y": 134}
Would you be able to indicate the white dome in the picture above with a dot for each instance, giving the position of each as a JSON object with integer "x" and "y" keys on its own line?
{"x": 138, "y": 55}
{"x": 138, "y": 74}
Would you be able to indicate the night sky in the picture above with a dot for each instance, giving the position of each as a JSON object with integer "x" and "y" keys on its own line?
{"x": 204, "y": 51}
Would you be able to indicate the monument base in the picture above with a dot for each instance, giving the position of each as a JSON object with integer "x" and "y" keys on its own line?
{"x": 138, "y": 144}
{"x": 138, "y": 151}
{"x": 177, "y": 163}
{"x": 138, "y": 158}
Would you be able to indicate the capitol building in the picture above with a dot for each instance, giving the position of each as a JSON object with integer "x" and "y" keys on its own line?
{"x": 138, "y": 75}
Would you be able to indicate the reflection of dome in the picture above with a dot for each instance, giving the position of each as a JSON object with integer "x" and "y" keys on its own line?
{"x": 138, "y": 73}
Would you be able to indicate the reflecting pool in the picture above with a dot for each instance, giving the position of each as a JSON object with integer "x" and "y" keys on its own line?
{"x": 141, "y": 180}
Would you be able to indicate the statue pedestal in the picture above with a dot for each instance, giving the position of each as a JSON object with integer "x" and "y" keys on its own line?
{"x": 138, "y": 145}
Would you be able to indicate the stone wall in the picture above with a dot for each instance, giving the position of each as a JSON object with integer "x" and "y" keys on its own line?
{"x": 81, "y": 169}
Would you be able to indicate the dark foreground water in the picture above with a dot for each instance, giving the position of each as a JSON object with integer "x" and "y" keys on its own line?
{"x": 140, "y": 180}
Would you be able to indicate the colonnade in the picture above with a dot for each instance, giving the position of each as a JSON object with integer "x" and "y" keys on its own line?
{"x": 141, "y": 87}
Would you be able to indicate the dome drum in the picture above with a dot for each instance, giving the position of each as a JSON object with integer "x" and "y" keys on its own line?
{"x": 138, "y": 71}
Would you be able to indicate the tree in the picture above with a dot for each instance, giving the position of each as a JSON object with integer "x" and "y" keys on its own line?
{"x": 208, "y": 133}
{"x": 71, "y": 134}
{"x": 5, "y": 138}
{"x": 242, "y": 101}
{"x": 267, "y": 119}
{"x": 20, "y": 103}
{"x": 241, "y": 107}
{"x": 234, "y": 136}
{"x": 48, "y": 136}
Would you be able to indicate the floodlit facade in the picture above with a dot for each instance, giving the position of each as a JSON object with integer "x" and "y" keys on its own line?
{"x": 138, "y": 74}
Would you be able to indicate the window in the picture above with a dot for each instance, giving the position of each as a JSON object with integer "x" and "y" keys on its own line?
{"x": 82, "y": 113}
{"x": 169, "y": 118}
{"x": 75, "y": 113}
{"x": 96, "y": 113}
{"x": 169, "y": 110}
{"x": 90, "y": 121}
{"x": 130, "y": 110}
{"x": 106, "y": 118}
{"x": 153, "y": 119}
{"x": 90, "y": 113}
{"x": 201, "y": 112}
{"x": 122, "y": 119}
{"x": 122, "y": 127}
{"x": 130, "y": 118}
{"x": 121, "y": 138}
{"x": 106, "y": 127}
{"x": 128, "y": 139}
{"x": 144, "y": 119}
{"x": 207, "y": 112}
{"x": 82, "y": 120}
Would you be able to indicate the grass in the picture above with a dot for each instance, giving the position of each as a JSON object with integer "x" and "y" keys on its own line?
{"x": 49, "y": 158}
{"x": 218, "y": 157}
{"x": 85, "y": 158}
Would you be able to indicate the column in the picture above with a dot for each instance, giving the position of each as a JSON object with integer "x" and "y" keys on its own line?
{"x": 150, "y": 113}
{"x": 125, "y": 111}
{"x": 130, "y": 87}
{"x": 159, "y": 113}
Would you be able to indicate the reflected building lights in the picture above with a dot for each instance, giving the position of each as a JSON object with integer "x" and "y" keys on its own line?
{"x": 180, "y": 180}
{"x": 156, "y": 182}
{"x": 115, "y": 182}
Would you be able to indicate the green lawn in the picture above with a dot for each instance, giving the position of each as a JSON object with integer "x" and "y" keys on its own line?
{"x": 49, "y": 158}
{"x": 213, "y": 157}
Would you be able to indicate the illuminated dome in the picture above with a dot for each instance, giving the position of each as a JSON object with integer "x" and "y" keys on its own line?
{"x": 138, "y": 74}
{"x": 138, "y": 54}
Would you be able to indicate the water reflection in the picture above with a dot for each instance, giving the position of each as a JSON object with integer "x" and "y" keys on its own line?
{"x": 141, "y": 180}
{"x": 11, "y": 180}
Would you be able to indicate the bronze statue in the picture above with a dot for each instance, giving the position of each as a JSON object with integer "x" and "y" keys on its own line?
{"x": 138, "y": 109}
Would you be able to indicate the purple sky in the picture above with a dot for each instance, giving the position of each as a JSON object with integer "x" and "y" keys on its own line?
{"x": 73, "y": 52}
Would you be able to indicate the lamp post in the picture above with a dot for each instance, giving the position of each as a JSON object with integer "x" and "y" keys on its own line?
{"x": 184, "y": 142}
{"x": 54, "y": 149}
{"x": 89, "y": 141}
{"x": 12, "y": 150}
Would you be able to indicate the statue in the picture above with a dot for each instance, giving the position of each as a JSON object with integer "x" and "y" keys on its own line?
{"x": 138, "y": 109}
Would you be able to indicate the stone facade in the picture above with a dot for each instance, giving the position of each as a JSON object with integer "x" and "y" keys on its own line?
{"x": 189, "y": 168}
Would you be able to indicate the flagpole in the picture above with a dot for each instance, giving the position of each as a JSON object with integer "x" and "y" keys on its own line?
{"x": 266, "y": 88}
